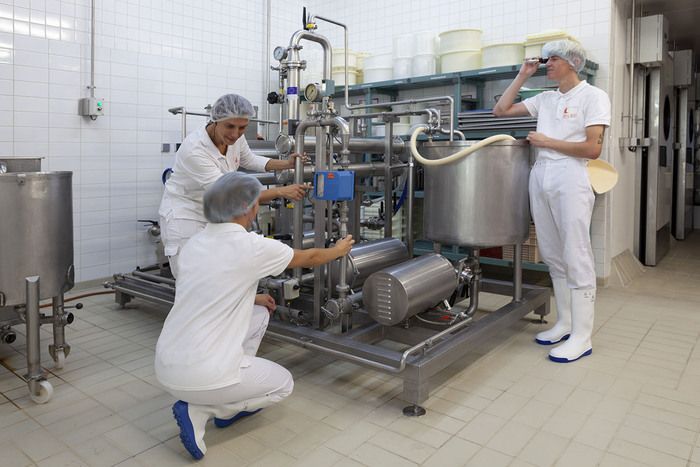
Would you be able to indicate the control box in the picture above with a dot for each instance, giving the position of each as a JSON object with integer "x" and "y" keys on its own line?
{"x": 90, "y": 107}
{"x": 334, "y": 185}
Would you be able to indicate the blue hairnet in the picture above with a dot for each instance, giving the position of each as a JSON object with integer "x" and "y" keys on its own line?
{"x": 231, "y": 106}
{"x": 232, "y": 195}
{"x": 570, "y": 51}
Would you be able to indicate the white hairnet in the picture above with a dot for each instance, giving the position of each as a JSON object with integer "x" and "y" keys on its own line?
{"x": 571, "y": 51}
{"x": 232, "y": 195}
{"x": 231, "y": 106}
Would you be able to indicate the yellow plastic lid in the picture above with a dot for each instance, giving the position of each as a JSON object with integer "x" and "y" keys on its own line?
{"x": 602, "y": 175}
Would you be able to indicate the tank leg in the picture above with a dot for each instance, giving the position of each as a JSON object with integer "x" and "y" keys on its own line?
{"x": 40, "y": 390}
{"x": 59, "y": 350}
{"x": 413, "y": 411}
{"x": 121, "y": 298}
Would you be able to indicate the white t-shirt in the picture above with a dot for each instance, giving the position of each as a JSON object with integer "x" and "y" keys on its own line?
{"x": 201, "y": 344}
{"x": 198, "y": 164}
{"x": 565, "y": 116}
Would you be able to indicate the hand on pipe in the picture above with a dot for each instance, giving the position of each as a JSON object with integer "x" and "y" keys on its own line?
{"x": 295, "y": 192}
{"x": 344, "y": 245}
{"x": 456, "y": 156}
{"x": 267, "y": 301}
{"x": 292, "y": 159}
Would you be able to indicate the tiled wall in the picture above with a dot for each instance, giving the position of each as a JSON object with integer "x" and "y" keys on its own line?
{"x": 373, "y": 25}
{"x": 151, "y": 55}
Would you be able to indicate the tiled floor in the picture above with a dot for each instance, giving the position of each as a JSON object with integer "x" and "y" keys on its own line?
{"x": 635, "y": 401}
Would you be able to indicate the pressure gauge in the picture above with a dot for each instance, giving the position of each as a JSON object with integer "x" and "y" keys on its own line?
{"x": 280, "y": 53}
{"x": 312, "y": 93}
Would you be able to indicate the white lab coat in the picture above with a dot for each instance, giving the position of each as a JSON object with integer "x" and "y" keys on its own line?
{"x": 561, "y": 199}
{"x": 198, "y": 164}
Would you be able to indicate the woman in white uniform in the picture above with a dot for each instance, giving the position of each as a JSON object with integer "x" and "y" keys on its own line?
{"x": 571, "y": 123}
{"x": 207, "y": 153}
{"x": 205, "y": 355}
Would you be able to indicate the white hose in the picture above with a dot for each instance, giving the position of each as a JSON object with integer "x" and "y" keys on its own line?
{"x": 456, "y": 156}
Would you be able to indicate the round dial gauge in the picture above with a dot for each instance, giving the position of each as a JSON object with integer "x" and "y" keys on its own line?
{"x": 280, "y": 53}
{"x": 312, "y": 93}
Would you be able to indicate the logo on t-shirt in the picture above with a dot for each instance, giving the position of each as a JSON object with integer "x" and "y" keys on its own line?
{"x": 570, "y": 112}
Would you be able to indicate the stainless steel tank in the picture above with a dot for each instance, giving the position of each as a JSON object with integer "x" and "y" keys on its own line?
{"x": 482, "y": 199}
{"x": 400, "y": 291}
{"x": 36, "y": 233}
{"x": 368, "y": 257}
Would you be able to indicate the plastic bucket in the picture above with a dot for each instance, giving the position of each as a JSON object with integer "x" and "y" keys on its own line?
{"x": 460, "y": 61}
{"x": 460, "y": 40}
{"x": 422, "y": 65}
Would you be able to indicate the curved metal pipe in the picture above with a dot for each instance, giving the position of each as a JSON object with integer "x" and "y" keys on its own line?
{"x": 313, "y": 37}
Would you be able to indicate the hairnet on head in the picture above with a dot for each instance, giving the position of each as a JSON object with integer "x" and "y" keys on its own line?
{"x": 571, "y": 51}
{"x": 232, "y": 195}
{"x": 231, "y": 106}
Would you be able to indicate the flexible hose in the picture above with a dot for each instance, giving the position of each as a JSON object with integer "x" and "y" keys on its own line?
{"x": 77, "y": 297}
{"x": 456, "y": 156}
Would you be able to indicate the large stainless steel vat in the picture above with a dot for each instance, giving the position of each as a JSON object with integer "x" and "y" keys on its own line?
{"x": 36, "y": 233}
{"x": 482, "y": 199}
{"x": 368, "y": 257}
{"x": 400, "y": 291}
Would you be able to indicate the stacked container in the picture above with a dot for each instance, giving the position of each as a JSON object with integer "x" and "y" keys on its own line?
{"x": 460, "y": 50}
{"x": 496, "y": 55}
{"x": 338, "y": 69}
{"x": 424, "y": 60}
{"x": 534, "y": 42}
{"x": 377, "y": 68}
{"x": 404, "y": 50}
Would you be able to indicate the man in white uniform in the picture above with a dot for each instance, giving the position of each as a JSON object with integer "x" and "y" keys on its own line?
{"x": 206, "y": 154}
{"x": 571, "y": 123}
{"x": 205, "y": 355}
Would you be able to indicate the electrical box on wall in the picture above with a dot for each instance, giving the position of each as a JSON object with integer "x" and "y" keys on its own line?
{"x": 651, "y": 40}
{"x": 682, "y": 67}
{"x": 91, "y": 107}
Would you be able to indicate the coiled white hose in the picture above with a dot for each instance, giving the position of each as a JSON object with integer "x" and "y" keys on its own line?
{"x": 456, "y": 156}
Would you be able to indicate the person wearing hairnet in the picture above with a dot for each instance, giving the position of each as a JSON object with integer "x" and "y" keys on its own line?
{"x": 571, "y": 123}
{"x": 207, "y": 153}
{"x": 205, "y": 355}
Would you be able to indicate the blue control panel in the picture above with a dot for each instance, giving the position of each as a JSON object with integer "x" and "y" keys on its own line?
{"x": 334, "y": 185}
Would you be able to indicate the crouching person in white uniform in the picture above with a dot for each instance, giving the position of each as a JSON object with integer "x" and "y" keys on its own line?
{"x": 571, "y": 123}
{"x": 205, "y": 355}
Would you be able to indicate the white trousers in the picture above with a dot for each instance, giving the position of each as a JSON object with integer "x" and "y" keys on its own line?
{"x": 174, "y": 233}
{"x": 263, "y": 382}
{"x": 561, "y": 201}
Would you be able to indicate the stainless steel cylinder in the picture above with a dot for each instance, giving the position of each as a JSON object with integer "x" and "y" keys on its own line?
{"x": 368, "y": 257}
{"x": 482, "y": 199}
{"x": 398, "y": 292}
{"x": 36, "y": 209}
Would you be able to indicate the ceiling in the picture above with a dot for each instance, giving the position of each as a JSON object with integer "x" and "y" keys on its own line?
{"x": 683, "y": 17}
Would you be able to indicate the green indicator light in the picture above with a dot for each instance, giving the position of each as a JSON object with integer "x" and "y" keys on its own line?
{"x": 99, "y": 103}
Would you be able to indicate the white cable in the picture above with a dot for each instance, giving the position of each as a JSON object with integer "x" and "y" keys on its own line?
{"x": 456, "y": 156}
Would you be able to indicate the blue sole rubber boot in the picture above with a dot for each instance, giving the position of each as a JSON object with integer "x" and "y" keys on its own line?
{"x": 543, "y": 342}
{"x": 182, "y": 417}
{"x": 224, "y": 422}
{"x": 566, "y": 360}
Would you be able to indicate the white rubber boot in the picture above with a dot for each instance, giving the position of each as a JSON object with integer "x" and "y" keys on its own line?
{"x": 582, "y": 314}
{"x": 562, "y": 328}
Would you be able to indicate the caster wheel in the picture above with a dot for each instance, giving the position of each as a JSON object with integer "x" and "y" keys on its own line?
{"x": 45, "y": 392}
{"x": 60, "y": 359}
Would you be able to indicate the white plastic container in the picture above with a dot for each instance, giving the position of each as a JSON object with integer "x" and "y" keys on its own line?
{"x": 339, "y": 58}
{"x": 378, "y": 61}
{"x": 460, "y": 61}
{"x": 339, "y": 77}
{"x": 402, "y": 68}
{"x": 425, "y": 43}
{"x": 496, "y": 55}
{"x": 372, "y": 75}
{"x": 403, "y": 46}
{"x": 460, "y": 40}
{"x": 534, "y": 42}
{"x": 423, "y": 65}
{"x": 401, "y": 128}
{"x": 378, "y": 128}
